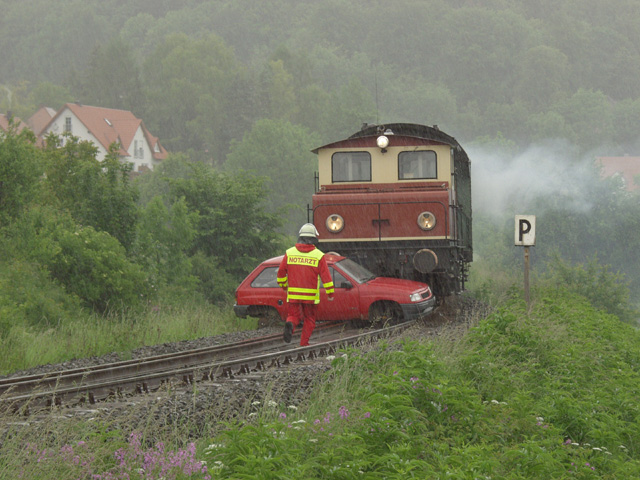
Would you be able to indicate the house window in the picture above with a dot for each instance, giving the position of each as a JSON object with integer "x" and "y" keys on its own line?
{"x": 351, "y": 167}
{"x": 420, "y": 164}
{"x": 138, "y": 152}
{"x": 67, "y": 124}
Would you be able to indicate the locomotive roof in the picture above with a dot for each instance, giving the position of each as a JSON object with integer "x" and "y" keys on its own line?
{"x": 404, "y": 129}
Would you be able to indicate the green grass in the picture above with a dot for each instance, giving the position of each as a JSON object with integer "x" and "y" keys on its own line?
{"x": 550, "y": 394}
{"x": 547, "y": 393}
{"x": 25, "y": 347}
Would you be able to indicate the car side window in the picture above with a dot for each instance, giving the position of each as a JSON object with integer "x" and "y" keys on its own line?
{"x": 266, "y": 278}
{"x": 339, "y": 280}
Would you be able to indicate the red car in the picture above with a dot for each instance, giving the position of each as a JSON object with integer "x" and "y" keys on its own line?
{"x": 359, "y": 294}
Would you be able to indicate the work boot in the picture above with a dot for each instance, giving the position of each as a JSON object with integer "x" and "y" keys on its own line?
{"x": 288, "y": 332}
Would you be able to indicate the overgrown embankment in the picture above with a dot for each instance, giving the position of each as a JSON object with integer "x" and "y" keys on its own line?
{"x": 550, "y": 393}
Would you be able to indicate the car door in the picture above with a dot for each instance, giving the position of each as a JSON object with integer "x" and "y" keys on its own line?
{"x": 264, "y": 290}
{"x": 345, "y": 305}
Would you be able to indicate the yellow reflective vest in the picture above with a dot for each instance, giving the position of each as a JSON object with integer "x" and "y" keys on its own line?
{"x": 301, "y": 271}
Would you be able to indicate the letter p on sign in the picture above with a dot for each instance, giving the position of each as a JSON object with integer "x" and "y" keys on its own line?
{"x": 525, "y": 230}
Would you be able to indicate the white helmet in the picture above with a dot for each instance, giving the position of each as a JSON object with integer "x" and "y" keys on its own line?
{"x": 308, "y": 230}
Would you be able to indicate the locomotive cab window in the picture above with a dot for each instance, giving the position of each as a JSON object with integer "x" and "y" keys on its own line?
{"x": 351, "y": 167}
{"x": 421, "y": 164}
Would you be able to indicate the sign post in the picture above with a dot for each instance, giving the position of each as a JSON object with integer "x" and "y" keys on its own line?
{"x": 525, "y": 236}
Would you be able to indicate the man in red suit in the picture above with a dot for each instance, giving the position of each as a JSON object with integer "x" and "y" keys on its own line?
{"x": 301, "y": 271}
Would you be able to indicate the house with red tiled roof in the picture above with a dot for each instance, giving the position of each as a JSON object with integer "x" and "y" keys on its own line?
{"x": 105, "y": 126}
{"x": 4, "y": 122}
{"x": 40, "y": 119}
{"x": 627, "y": 167}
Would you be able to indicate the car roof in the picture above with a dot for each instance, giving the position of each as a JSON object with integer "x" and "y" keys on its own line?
{"x": 330, "y": 258}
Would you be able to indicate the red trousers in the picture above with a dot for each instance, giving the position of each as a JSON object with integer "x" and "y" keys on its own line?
{"x": 303, "y": 312}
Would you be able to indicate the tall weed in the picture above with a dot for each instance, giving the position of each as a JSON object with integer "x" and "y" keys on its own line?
{"x": 25, "y": 347}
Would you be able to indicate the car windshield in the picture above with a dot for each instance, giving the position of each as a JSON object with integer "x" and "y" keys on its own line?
{"x": 355, "y": 271}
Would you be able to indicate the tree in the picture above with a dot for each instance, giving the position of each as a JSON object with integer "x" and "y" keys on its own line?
{"x": 96, "y": 193}
{"x": 279, "y": 91}
{"x": 589, "y": 114}
{"x": 112, "y": 78}
{"x": 543, "y": 77}
{"x": 20, "y": 170}
{"x": 414, "y": 100}
{"x": 281, "y": 152}
{"x": 165, "y": 237}
{"x": 233, "y": 232}
{"x": 50, "y": 95}
{"x": 352, "y": 105}
{"x": 188, "y": 84}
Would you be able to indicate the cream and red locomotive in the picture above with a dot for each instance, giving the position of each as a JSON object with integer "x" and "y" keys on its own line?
{"x": 396, "y": 198}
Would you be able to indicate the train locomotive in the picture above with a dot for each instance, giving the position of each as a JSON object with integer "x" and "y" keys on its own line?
{"x": 396, "y": 198}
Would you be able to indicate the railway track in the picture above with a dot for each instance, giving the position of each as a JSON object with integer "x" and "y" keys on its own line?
{"x": 114, "y": 380}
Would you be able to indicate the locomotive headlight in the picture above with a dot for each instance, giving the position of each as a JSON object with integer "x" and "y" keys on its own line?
{"x": 382, "y": 141}
{"x": 335, "y": 223}
{"x": 426, "y": 220}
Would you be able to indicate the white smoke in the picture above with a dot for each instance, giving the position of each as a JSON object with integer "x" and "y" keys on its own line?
{"x": 504, "y": 183}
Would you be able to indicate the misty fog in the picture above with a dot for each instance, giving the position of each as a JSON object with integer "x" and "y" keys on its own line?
{"x": 230, "y": 84}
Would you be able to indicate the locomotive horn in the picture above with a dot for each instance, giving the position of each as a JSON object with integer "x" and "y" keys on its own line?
{"x": 425, "y": 260}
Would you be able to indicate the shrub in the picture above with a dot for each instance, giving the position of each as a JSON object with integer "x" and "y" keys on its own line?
{"x": 88, "y": 264}
{"x": 28, "y": 297}
{"x": 604, "y": 289}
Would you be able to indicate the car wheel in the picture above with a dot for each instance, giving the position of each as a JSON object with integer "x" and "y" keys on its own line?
{"x": 385, "y": 313}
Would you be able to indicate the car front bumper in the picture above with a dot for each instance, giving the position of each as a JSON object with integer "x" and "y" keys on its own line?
{"x": 417, "y": 310}
{"x": 241, "y": 310}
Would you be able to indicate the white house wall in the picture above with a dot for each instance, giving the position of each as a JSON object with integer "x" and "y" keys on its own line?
{"x": 78, "y": 129}
{"x": 143, "y": 156}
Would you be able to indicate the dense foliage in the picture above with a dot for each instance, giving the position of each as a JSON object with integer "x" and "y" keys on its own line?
{"x": 201, "y": 73}
{"x": 73, "y": 235}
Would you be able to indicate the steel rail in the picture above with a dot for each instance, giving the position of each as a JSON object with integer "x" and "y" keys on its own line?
{"x": 124, "y": 367}
{"x": 98, "y": 383}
